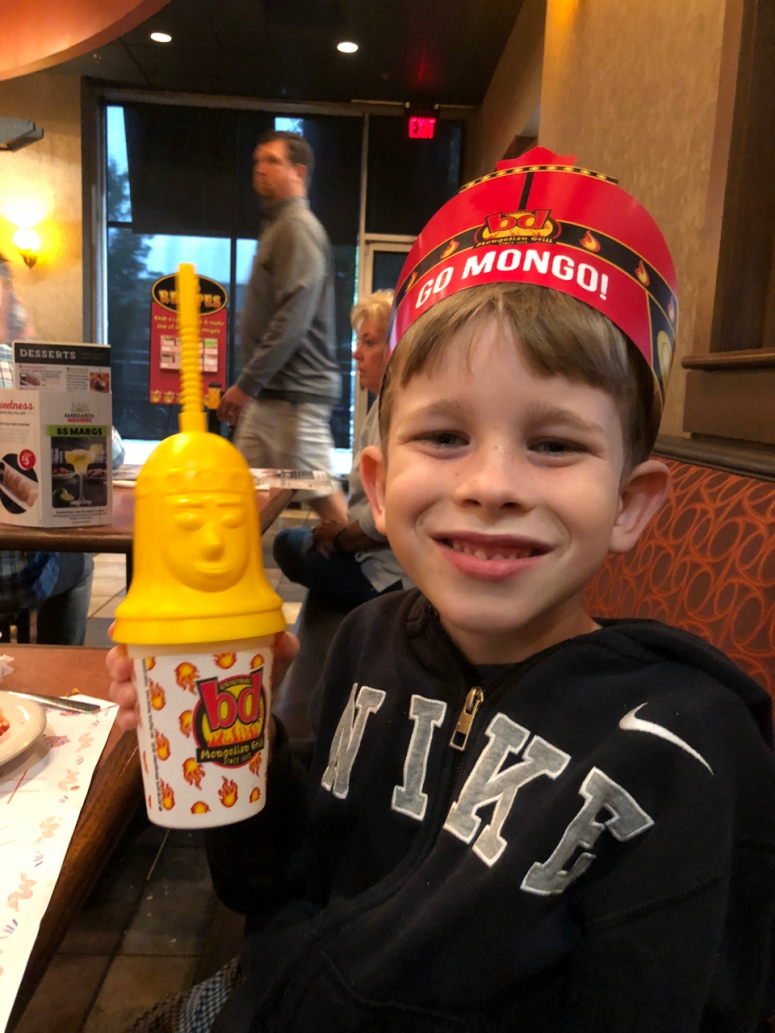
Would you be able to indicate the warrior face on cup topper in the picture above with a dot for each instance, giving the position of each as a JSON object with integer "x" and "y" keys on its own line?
{"x": 539, "y": 219}
{"x": 199, "y": 576}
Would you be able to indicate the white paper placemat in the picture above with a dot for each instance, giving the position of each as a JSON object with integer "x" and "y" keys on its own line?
{"x": 41, "y": 795}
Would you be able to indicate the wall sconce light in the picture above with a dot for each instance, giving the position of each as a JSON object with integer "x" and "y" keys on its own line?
{"x": 27, "y": 242}
{"x": 25, "y": 214}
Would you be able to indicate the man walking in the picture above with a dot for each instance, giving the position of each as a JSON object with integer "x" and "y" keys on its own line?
{"x": 290, "y": 379}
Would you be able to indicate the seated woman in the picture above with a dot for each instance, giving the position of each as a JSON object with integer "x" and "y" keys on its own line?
{"x": 342, "y": 565}
{"x": 350, "y": 563}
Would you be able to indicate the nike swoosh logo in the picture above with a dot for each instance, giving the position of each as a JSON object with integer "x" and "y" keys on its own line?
{"x": 631, "y": 723}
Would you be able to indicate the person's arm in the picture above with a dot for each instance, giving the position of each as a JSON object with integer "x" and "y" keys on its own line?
{"x": 248, "y": 859}
{"x": 299, "y": 273}
{"x": 332, "y": 537}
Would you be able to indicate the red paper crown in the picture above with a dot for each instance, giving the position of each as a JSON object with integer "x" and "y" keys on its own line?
{"x": 540, "y": 219}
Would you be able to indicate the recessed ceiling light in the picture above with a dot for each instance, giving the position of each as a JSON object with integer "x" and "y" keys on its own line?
{"x": 161, "y": 37}
{"x": 347, "y": 47}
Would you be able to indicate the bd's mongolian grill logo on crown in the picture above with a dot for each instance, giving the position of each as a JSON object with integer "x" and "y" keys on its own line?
{"x": 228, "y": 721}
{"x": 517, "y": 228}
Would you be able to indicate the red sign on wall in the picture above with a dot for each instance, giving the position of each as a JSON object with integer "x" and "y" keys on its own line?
{"x": 164, "y": 379}
{"x": 421, "y": 127}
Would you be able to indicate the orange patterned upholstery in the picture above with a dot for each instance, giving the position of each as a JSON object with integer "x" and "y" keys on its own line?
{"x": 706, "y": 564}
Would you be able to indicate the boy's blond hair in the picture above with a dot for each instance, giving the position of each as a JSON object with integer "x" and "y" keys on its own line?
{"x": 557, "y": 336}
{"x": 374, "y": 306}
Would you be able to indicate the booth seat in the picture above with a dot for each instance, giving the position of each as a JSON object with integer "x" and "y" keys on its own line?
{"x": 706, "y": 564}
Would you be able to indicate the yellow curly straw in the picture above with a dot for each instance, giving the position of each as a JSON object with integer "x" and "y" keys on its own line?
{"x": 192, "y": 415}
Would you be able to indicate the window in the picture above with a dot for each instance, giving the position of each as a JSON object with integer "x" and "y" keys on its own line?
{"x": 172, "y": 196}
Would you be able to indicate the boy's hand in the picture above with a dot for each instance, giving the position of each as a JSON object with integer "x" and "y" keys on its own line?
{"x": 124, "y": 692}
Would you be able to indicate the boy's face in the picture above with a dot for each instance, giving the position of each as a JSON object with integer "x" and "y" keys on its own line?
{"x": 502, "y": 495}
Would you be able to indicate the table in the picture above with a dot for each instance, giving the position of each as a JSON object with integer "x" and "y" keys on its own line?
{"x": 115, "y": 791}
{"x": 117, "y": 786}
{"x": 117, "y": 537}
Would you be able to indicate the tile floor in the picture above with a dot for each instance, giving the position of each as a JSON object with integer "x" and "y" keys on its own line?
{"x": 152, "y": 924}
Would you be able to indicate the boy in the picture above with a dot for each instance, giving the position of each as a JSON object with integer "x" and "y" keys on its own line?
{"x": 514, "y": 818}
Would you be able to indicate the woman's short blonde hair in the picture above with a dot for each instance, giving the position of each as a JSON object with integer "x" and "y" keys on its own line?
{"x": 374, "y": 306}
{"x": 557, "y": 336}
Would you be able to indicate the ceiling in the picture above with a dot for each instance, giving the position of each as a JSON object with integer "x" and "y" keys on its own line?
{"x": 424, "y": 51}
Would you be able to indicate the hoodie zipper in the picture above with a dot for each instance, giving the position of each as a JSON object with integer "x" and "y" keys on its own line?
{"x": 473, "y": 701}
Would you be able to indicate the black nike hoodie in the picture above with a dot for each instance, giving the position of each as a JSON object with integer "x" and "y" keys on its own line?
{"x": 599, "y": 856}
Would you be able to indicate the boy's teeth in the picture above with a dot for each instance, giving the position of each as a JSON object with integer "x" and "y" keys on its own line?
{"x": 481, "y": 554}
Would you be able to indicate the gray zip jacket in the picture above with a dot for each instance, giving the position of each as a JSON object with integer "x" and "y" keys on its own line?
{"x": 287, "y": 332}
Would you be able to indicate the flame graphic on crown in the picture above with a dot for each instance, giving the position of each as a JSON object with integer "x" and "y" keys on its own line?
{"x": 255, "y": 763}
{"x": 200, "y": 807}
{"x": 185, "y": 722}
{"x": 162, "y": 746}
{"x": 450, "y": 249}
{"x": 228, "y": 792}
{"x": 411, "y": 281}
{"x": 225, "y": 660}
{"x": 186, "y": 675}
{"x": 255, "y": 794}
{"x": 158, "y": 699}
{"x": 256, "y": 662}
{"x": 193, "y": 772}
{"x": 167, "y": 796}
{"x": 590, "y": 242}
{"x": 643, "y": 276}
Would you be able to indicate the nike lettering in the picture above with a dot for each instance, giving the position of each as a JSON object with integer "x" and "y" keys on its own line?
{"x": 631, "y": 723}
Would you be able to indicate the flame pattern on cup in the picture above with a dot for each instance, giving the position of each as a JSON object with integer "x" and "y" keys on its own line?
{"x": 158, "y": 697}
{"x": 162, "y": 746}
{"x": 193, "y": 772}
{"x": 225, "y": 660}
{"x": 186, "y": 675}
{"x": 185, "y": 722}
{"x": 228, "y": 792}
{"x": 167, "y": 795}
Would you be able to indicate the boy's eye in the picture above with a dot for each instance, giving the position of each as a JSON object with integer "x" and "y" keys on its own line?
{"x": 557, "y": 447}
{"x": 443, "y": 438}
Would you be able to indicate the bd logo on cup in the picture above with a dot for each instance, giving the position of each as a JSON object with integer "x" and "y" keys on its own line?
{"x": 228, "y": 720}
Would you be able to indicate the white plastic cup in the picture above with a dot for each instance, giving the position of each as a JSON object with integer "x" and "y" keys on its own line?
{"x": 204, "y": 718}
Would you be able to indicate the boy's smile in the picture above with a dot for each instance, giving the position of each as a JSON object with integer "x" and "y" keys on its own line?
{"x": 503, "y": 493}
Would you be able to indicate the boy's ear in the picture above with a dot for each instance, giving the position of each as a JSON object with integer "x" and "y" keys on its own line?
{"x": 641, "y": 496}
{"x": 373, "y": 481}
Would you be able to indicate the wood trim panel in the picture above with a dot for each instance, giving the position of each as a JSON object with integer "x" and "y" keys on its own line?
{"x": 746, "y": 462}
{"x": 754, "y": 358}
{"x": 731, "y": 403}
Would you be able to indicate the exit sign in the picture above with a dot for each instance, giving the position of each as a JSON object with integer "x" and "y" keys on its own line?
{"x": 421, "y": 127}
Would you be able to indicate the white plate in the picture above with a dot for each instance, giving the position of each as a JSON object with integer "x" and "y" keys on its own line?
{"x": 28, "y": 721}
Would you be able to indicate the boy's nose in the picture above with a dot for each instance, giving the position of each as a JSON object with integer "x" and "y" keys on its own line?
{"x": 497, "y": 481}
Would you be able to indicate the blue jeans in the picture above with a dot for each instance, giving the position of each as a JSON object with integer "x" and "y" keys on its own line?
{"x": 338, "y": 578}
{"x": 62, "y": 616}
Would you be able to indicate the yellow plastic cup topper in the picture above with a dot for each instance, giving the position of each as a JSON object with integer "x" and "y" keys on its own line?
{"x": 198, "y": 568}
